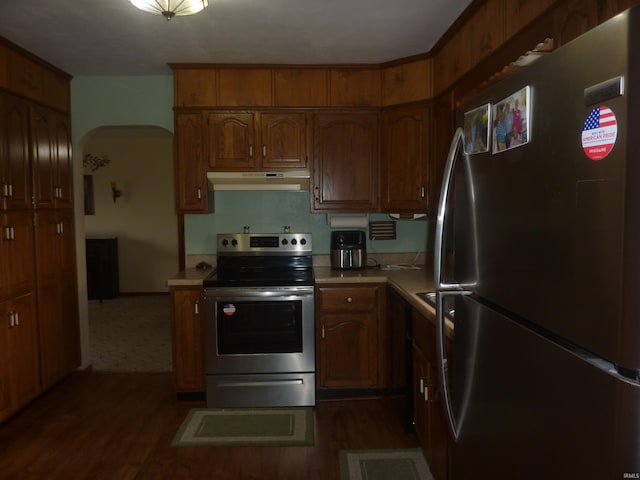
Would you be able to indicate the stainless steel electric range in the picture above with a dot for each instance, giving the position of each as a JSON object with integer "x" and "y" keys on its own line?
{"x": 259, "y": 322}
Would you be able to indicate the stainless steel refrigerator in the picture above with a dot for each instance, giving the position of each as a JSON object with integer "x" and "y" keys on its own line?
{"x": 538, "y": 267}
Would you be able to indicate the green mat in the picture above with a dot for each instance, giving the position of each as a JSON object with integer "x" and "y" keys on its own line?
{"x": 396, "y": 464}
{"x": 205, "y": 427}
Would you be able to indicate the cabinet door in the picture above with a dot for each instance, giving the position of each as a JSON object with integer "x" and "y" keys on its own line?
{"x": 57, "y": 297}
{"x": 420, "y": 411}
{"x": 49, "y": 305}
{"x": 439, "y": 433}
{"x": 51, "y": 159}
{"x": 572, "y": 18}
{"x": 19, "y": 369}
{"x": 398, "y": 325}
{"x": 345, "y": 158}
{"x": 16, "y": 253}
{"x": 63, "y": 173}
{"x": 283, "y": 140}
{"x": 43, "y": 162}
{"x": 25, "y": 76}
{"x": 69, "y": 346}
{"x": 194, "y": 87}
{"x": 15, "y": 167}
{"x": 23, "y": 350}
{"x": 191, "y": 179}
{"x": 430, "y": 421}
{"x": 188, "y": 339}
{"x": 231, "y": 138}
{"x": 6, "y": 403}
{"x": 348, "y": 350}
{"x": 405, "y": 155}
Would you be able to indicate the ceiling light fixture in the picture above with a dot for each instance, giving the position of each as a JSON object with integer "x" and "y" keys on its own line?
{"x": 170, "y": 8}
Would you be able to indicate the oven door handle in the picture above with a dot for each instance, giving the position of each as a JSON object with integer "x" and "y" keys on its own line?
{"x": 246, "y": 293}
{"x": 260, "y": 383}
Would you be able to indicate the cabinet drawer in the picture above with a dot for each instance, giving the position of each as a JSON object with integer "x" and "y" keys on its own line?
{"x": 348, "y": 299}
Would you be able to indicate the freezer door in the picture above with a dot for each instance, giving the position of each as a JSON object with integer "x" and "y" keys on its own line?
{"x": 549, "y": 233}
{"x": 525, "y": 407}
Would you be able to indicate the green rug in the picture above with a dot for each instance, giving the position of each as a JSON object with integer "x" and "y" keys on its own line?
{"x": 206, "y": 427}
{"x": 392, "y": 464}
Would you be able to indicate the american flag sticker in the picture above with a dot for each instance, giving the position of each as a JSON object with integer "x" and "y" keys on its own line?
{"x": 229, "y": 309}
{"x": 599, "y": 133}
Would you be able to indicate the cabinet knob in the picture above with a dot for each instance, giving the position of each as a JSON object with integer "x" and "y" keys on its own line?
{"x": 197, "y": 308}
{"x": 349, "y": 299}
{"x": 264, "y": 151}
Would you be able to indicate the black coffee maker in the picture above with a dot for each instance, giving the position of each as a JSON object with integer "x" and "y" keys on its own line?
{"x": 348, "y": 249}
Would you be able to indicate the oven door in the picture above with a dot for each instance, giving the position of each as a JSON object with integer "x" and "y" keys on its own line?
{"x": 260, "y": 347}
{"x": 255, "y": 330}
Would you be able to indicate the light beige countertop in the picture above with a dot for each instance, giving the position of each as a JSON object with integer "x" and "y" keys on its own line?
{"x": 190, "y": 277}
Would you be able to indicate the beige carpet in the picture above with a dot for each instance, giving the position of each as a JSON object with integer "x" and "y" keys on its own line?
{"x": 131, "y": 334}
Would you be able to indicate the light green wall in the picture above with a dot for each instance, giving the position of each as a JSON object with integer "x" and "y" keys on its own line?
{"x": 100, "y": 101}
{"x": 269, "y": 212}
{"x": 148, "y": 100}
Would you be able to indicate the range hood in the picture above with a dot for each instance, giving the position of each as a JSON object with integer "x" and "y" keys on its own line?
{"x": 293, "y": 180}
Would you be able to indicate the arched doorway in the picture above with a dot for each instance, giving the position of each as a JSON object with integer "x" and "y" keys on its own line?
{"x": 135, "y": 163}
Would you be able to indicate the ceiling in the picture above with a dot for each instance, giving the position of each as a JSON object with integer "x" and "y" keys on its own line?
{"x": 111, "y": 37}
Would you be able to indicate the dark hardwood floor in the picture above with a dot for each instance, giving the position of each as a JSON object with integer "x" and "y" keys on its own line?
{"x": 120, "y": 426}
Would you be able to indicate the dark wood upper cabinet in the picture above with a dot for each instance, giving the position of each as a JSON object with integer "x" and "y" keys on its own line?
{"x": 191, "y": 180}
{"x": 405, "y": 158}
{"x": 345, "y": 159}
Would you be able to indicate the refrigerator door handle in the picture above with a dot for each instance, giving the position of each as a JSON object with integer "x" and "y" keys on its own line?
{"x": 445, "y": 390}
{"x": 456, "y": 143}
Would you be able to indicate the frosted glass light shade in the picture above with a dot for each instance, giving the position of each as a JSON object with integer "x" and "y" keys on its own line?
{"x": 171, "y": 8}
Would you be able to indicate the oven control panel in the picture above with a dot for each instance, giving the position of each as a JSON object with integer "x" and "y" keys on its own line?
{"x": 294, "y": 243}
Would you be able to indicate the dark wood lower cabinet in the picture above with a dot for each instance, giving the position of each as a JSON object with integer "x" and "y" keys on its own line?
{"x": 187, "y": 329}
{"x": 429, "y": 416}
{"x": 58, "y": 326}
{"x": 19, "y": 359}
{"x": 349, "y": 337}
